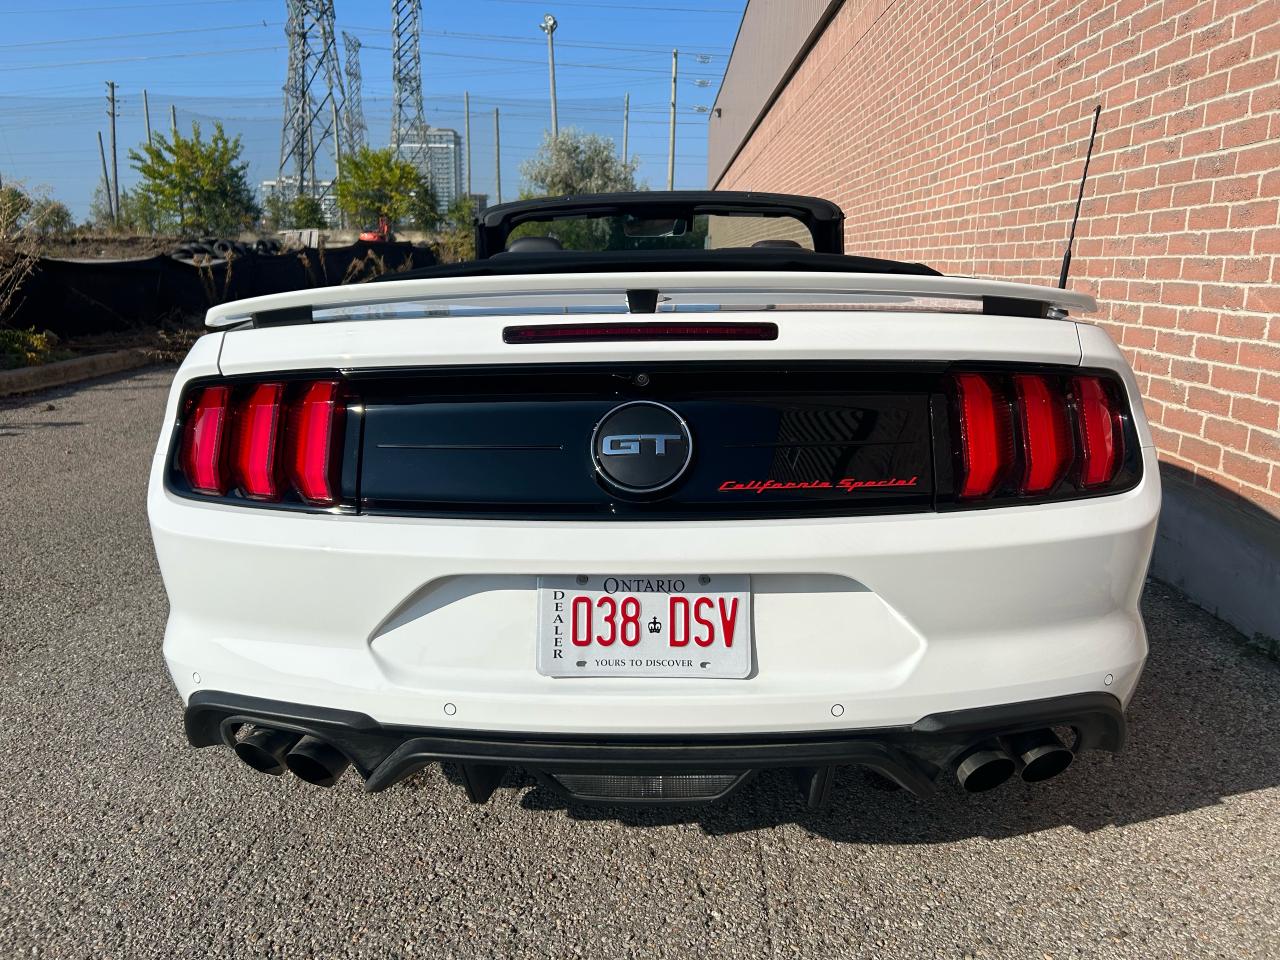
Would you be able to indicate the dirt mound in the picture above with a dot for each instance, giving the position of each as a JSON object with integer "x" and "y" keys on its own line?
{"x": 103, "y": 248}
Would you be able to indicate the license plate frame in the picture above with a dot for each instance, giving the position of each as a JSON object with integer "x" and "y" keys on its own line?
{"x": 692, "y": 607}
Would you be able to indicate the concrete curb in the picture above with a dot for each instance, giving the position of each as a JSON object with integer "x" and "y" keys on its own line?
{"x": 30, "y": 379}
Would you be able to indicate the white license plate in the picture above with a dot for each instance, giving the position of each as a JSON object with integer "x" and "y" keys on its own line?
{"x": 660, "y": 626}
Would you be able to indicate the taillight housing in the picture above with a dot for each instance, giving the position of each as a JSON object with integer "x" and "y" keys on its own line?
{"x": 203, "y": 456}
{"x": 1038, "y": 435}
{"x": 315, "y": 429}
{"x": 267, "y": 441}
{"x": 986, "y": 446}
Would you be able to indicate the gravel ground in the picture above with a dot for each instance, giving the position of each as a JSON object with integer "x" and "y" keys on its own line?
{"x": 120, "y": 841}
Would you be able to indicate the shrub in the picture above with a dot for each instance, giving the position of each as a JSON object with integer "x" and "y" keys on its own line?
{"x": 27, "y": 348}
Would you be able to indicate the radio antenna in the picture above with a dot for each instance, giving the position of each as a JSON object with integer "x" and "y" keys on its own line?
{"x": 1071, "y": 239}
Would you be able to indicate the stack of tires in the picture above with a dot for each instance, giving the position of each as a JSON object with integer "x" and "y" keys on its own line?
{"x": 211, "y": 248}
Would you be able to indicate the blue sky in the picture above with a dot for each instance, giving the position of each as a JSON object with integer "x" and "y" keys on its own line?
{"x": 225, "y": 59}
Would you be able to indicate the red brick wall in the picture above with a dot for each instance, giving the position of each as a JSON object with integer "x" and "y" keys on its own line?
{"x": 954, "y": 133}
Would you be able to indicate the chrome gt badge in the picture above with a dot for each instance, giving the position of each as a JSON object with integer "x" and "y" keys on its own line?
{"x": 641, "y": 447}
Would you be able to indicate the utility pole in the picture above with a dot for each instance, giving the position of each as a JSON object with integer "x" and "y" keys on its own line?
{"x": 497, "y": 154}
{"x": 466, "y": 133}
{"x": 106, "y": 180}
{"x": 146, "y": 114}
{"x": 549, "y": 28}
{"x": 626, "y": 124}
{"x": 115, "y": 166}
{"x": 173, "y": 127}
{"x": 671, "y": 137}
{"x": 337, "y": 142}
{"x": 337, "y": 158}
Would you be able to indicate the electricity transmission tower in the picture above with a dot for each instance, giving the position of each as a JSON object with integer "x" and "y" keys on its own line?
{"x": 357, "y": 134}
{"x": 313, "y": 95}
{"x": 408, "y": 124}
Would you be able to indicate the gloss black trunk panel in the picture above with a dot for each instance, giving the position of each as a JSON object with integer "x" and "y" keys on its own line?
{"x": 805, "y": 441}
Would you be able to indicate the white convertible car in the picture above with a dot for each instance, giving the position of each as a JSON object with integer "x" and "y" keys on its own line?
{"x": 660, "y": 491}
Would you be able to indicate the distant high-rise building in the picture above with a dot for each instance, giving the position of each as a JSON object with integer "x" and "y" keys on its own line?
{"x": 441, "y": 163}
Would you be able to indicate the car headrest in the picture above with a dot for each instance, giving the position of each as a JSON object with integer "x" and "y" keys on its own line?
{"x": 533, "y": 245}
{"x": 777, "y": 243}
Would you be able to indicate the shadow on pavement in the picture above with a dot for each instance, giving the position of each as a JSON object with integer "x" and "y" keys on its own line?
{"x": 16, "y": 428}
{"x": 1202, "y": 728}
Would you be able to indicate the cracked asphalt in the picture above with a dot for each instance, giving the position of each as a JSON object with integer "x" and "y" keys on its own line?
{"x": 118, "y": 840}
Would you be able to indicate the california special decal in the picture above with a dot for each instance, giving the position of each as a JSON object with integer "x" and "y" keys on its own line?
{"x": 848, "y": 484}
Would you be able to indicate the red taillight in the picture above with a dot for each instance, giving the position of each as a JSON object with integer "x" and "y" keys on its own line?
{"x": 1101, "y": 440}
{"x": 1067, "y": 426}
{"x": 1046, "y": 436}
{"x": 985, "y": 448}
{"x": 202, "y": 461}
{"x": 257, "y": 442}
{"x": 316, "y": 420}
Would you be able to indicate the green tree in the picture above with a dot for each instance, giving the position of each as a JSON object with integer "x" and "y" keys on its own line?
{"x": 577, "y": 162}
{"x": 50, "y": 218}
{"x": 193, "y": 185}
{"x": 306, "y": 213}
{"x": 456, "y": 239}
{"x": 377, "y": 183}
{"x": 275, "y": 211}
{"x": 139, "y": 213}
{"x": 100, "y": 218}
{"x": 424, "y": 213}
{"x": 14, "y": 207}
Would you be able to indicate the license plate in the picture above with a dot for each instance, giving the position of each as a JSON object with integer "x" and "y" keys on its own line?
{"x": 627, "y": 626}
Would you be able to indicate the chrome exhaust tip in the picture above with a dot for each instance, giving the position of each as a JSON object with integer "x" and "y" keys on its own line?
{"x": 264, "y": 749}
{"x": 316, "y": 762}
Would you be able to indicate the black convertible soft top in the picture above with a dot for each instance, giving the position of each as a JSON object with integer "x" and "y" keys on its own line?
{"x": 658, "y": 261}
{"x": 823, "y": 219}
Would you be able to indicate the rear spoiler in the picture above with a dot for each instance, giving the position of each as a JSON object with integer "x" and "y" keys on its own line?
{"x": 649, "y": 292}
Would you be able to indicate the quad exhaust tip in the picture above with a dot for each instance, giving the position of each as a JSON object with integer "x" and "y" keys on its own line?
{"x": 316, "y": 762}
{"x": 264, "y": 749}
{"x": 273, "y": 751}
{"x": 984, "y": 767}
{"x": 1040, "y": 754}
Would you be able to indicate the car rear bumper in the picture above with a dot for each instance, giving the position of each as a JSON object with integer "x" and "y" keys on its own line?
{"x": 859, "y": 622}
{"x": 914, "y": 756}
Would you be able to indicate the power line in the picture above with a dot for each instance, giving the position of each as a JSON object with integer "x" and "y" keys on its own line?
{"x": 626, "y": 6}
{"x": 125, "y": 6}
{"x": 492, "y": 59}
{"x": 176, "y": 4}
{"x": 27, "y": 67}
{"x": 134, "y": 36}
{"x": 507, "y": 38}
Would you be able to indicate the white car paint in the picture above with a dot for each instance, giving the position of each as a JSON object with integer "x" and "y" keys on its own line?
{"x": 859, "y": 622}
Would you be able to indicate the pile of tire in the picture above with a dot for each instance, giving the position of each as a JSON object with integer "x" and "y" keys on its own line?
{"x": 211, "y": 248}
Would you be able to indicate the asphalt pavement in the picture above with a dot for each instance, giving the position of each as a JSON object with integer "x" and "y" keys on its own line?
{"x": 118, "y": 840}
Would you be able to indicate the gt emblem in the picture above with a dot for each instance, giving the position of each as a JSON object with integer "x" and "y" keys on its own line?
{"x": 641, "y": 447}
{"x": 628, "y": 444}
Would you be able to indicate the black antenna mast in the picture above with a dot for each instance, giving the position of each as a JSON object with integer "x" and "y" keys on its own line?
{"x": 1066, "y": 256}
